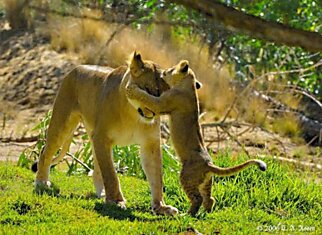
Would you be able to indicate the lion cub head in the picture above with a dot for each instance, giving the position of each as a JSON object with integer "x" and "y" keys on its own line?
{"x": 181, "y": 75}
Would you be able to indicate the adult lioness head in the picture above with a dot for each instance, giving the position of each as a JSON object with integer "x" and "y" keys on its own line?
{"x": 147, "y": 75}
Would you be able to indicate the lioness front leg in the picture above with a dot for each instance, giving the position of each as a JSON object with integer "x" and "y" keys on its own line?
{"x": 152, "y": 164}
{"x": 98, "y": 180}
{"x": 103, "y": 153}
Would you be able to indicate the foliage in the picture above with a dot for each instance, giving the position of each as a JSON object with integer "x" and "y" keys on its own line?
{"x": 29, "y": 155}
{"x": 245, "y": 204}
{"x": 245, "y": 51}
{"x": 302, "y": 14}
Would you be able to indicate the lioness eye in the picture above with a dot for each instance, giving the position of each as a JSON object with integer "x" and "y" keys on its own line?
{"x": 169, "y": 71}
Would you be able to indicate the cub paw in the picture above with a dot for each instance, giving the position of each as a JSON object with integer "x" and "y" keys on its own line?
{"x": 209, "y": 204}
{"x": 165, "y": 210}
{"x": 46, "y": 187}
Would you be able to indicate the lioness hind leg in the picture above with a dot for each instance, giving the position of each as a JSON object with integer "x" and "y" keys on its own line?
{"x": 205, "y": 190}
{"x": 59, "y": 132}
{"x": 57, "y": 159}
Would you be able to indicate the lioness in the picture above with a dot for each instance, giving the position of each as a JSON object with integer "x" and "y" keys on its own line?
{"x": 96, "y": 96}
{"x": 181, "y": 102}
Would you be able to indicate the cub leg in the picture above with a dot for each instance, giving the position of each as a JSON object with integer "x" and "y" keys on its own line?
{"x": 192, "y": 191}
{"x": 152, "y": 165}
{"x": 59, "y": 132}
{"x": 205, "y": 190}
{"x": 195, "y": 200}
{"x": 103, "y": 153}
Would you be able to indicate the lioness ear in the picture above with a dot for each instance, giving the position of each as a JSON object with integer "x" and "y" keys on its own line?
{"x": 137, "y": 56}
{"x": 137, "y": 62}
{"x": 184, "y": 66}
{"x": 198, "y": 84}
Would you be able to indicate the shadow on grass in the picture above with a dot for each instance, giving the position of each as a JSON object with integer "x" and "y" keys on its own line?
{"x": 54, "y": 191}
{"x": 115, "y": 212}
{"x": 109, "y": 210}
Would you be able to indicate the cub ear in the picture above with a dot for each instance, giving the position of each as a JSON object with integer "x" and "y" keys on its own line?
{"x": 198, "y": 84}
{"x": 136, "y": 61}
{"x": 184, "y": 66}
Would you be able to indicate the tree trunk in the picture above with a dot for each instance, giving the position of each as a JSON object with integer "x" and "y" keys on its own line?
{"x": 240, "y": 22}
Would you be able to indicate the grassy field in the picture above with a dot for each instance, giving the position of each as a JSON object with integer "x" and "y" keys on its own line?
{"x": 277, "y": 201}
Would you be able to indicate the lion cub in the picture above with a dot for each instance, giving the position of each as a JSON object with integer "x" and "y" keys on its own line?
{"x": 181, "y": 102}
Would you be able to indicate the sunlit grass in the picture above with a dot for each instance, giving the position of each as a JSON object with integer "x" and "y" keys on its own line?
{"x": 273, "y": 200}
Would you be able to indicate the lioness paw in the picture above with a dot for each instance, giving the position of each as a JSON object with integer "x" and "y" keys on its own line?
{"x": 208, "y": 204}
{"x": 46, "y": 187}
{"x": 165, "y": 210}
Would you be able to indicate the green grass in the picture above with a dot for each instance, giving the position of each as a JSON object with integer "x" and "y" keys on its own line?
{"x": 277, "y": 200}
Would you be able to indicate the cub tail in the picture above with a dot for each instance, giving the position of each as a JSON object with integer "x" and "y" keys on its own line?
{"x": 234, "y": 170}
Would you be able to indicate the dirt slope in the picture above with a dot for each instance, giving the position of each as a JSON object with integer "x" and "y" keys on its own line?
{"x": 30, "y": 74}
{"x": 30, "y": 71}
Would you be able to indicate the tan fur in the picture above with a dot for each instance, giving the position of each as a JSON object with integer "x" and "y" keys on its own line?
{"x": 181, "y": 102}
{"x": 96, "y": 96}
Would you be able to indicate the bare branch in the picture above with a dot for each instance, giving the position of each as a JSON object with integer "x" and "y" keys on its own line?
{"x": 79, "y": 161}
{"x": 236, "y": 140}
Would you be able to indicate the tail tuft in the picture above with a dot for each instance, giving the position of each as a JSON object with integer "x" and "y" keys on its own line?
{"x": 262, "y": 165}
{"x": 34, "y": 166}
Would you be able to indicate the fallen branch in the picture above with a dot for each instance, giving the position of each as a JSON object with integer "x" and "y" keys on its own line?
{"x": 289, "y": 160}
{"x": 79, "y": 161}
{"x": 23, "y": 139}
